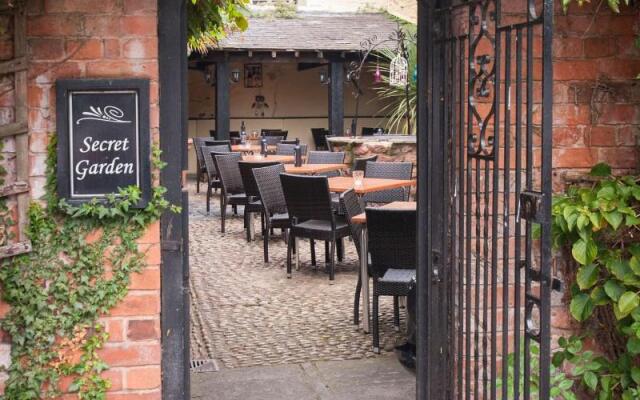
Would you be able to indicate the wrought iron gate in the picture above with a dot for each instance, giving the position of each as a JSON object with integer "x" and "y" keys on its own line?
{"x": 487, "y": 266}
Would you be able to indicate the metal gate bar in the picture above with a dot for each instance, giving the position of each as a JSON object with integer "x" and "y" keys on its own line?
{"x": 482, "y": 121}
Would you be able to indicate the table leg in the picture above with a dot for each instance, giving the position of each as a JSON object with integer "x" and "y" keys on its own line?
{"x": 364, "y": 273}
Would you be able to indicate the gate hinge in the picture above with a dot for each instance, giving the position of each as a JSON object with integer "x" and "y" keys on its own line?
{"x": 171, "y": 245}
{"x": 530, "y": 206}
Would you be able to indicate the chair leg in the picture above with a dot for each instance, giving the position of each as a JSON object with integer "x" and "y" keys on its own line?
{"x": 208, "y": 198}
{"x": 289, "y": 250}
{"x": 265, "y": 240}
{"x": 356, "y": 301}
{"x": 247, "y": 224}
{"x": 326, "y": 253}
{"x": 198, "y": 177}
{"x": 235, "y": 209}
{"x": 297, "y": 247}
{"x": 332, "y": 265}
{"x": 340, "y": 246}
{"x": 313, "y": 252}
{"x": 375, "y": 328}
{"x": 396, "y": 313}
{"x": 223, "y": 212}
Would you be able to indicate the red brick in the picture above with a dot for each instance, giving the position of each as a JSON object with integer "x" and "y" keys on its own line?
{"x": 102, "y": 26}
{"x": 138, "y": 304}
{"x": 143, "y": 329}
{"x": 619, "y": 157}
{"x": 38, "y": 96}
{"x": 568, "y": 48}
{"x": 118, "y": 69}
{"x": 152, "y": 254}
{"x": 571, "y": 115}
{"x": 84, "y": 6}
{"x": 115, "y": 328}
{"x": 614, "y": 68}
{"x": 86, "y": 49}
{"x": 49, "y": 72}
{"x": 138, "y": 354}
{"x": 4, "y": 309}
{"x": 599, "y": 47}
{"x": 55, "y": 25}
{"x": 603, "y": 136}
{"x": 145, "y": 395}
{"x": 575, "y": 70}
{"x": 38, "y": 141}
{"x": 148, "y": 279}
{"x": 574, "y": 158}
{"x": 568, "y": 137}
{"x": 46, "y": 49}
{"x": 139, "y": 25}
{"x": 112, "y": 48}
{"x": 618, "y": 114}
{"x": 140, "y": 6}
{"x": 144, "y": 378}
{"x": 141, "y": 48}
{"x": 628, "y": 136}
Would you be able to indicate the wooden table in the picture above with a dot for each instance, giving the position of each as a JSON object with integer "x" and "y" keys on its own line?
{"x": 364, "y": 254}
{"x": 246, "y": 148}
{"x": 341, "y": 184}
{"x": 313, "y": 169}
{"x": 269, "y": 158}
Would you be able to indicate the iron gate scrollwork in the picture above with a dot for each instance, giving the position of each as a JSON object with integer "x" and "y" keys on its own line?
{"x": 488, "y": 119}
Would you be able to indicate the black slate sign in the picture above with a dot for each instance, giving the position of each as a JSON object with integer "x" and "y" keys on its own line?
{"x": 103, "y": 138}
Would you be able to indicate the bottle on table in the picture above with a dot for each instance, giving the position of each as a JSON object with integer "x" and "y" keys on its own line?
{"x": 263, "y": 146}
{"x": 243, "y": 133}
{"x": 298, "y": 155}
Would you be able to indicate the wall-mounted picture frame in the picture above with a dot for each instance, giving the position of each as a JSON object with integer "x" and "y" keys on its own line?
{"x": 253, "y": 75}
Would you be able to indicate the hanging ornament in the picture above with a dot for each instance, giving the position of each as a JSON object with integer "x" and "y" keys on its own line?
{"x": 398, "y": 71}
{"x": 377, "y": 76}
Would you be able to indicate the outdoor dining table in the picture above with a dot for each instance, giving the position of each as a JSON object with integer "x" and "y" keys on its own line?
{"x": 257, "y": 158}
{"x": 341, "y": 184}
{"x": 313, "y": 169}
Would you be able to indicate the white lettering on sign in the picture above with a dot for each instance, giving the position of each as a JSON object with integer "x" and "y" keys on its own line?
{"x": 83, "y": 168}
{"x": 107, "y": 114}
{"x": 90, "y": 145}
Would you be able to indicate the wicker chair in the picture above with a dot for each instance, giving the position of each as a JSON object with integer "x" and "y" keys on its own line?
{"x": 213, "y": 180}
{"x": 287, "y": 149}
{"x": 254, "y": 205}
{"x": 326, "y": 157}
{"x": 389, "y": 170}
{"x": 198, "y": 143}
{"x": 274, "y": 132}
{"x": 231, "y": 182}
{"x": 392, "y": 247}
{"x": 311, "y": 215}
{"x": 352, "y": 206}
{"x": 360, "y": 164}
{"x": 319, "y": 138}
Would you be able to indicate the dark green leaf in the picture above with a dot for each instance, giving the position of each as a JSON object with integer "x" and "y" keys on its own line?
{"x": 600, "y": 169}
{"x": 581, "y": 307}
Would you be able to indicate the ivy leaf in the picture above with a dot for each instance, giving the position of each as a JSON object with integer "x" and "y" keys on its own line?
{"x": 600, "y": 169}
{"x": 590, "y": 380}
{"x": 587, "y": 276}
{"x": 614, "y": 218}
{"x": 620, "y": 269}
{"x": 635, "y": 374}
{"x": 634, "y": 264}
{"x": 584, "y": 252}
{"x": 613, "y": 290}
{"x": 632, "y": 220}
{"x": 606, "y": 193}
{"x": 633, "y": 345}
{"x": 628, "y": 302}
{"x": 581, "y": 307}
{"x": 599, "y": 296}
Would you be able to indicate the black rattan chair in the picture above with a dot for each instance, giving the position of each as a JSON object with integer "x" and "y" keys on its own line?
{"x": 326, "y": 157}
{"x": 352, "y": 206}
{"x": 287, "y": 149}
{"x": 274, "y": 132}
{"x": 213, "y": 178}
{"x": 311, "y": 215}
{"x": 392, "y": 247}
{"x": 320, "y": 138}
{"x": 254, "y": 205}
{"x": 368, "y": 131}
{"x": 360, "y": 164}
{"x": 231, "y": 182}
{"x": 389, "y": 170}
{"x": 198, "y": 143}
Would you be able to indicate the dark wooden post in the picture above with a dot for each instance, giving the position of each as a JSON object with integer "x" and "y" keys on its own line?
{"x": 222, "y": 98}
{"x": 336, "y": 97}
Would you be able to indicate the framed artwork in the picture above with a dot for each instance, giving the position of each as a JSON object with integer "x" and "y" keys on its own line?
{"x": 253, "y": 75}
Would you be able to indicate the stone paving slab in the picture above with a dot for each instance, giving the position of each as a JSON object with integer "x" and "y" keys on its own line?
{"x": 381, "y": 378}
{"x": 247, "y": 313}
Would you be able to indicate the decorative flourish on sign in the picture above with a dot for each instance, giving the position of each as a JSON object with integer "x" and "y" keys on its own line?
{"x": 107, "y": 114}
{"x": 482, "y": 77}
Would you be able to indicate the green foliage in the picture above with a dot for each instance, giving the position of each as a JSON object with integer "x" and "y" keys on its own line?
{"x": 601, "y": 224}
{"x": 561, "y": 385}
{"x": 209, "y": 20}
{"x": 78, "y": 270}
{"x": 5, "y": 218}
{"x": 613, "y": 4}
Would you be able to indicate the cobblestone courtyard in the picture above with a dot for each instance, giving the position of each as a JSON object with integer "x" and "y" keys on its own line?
{"x": 246, "y": 313}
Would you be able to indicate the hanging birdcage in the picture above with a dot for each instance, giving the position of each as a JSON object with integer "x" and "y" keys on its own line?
{"x": 398, "y": 71}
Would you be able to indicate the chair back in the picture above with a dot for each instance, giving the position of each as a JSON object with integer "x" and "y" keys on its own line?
{"x": 325, "y": 157}
{"x": 360, "y": 164}
{"x": 273, "y": 140}
{"x": 319, "y": 138}
{"x": 274, "y": 132}
{"x": 307, "y": 197}
{"x": 286, "y": 149}
{"x": 198, "y": 143}
{"x": 391, "y": 239}
{"x": 352, "y": 206}
{"x": 248, "y": 180}
{"x": 209, "y": 163}
{"x": 368, "y": 131}
{"x": 388, "y": 170}
{"x": 270, "y": 188}
{"x": 229, "y": 172}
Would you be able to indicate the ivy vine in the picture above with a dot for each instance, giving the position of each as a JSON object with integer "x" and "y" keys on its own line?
{"x": 600, "y": 224}
{"x": 5, "y": 218}
{"x": 79, "y": 269}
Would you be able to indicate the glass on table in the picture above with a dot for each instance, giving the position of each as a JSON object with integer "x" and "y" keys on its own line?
{"x": 358, "y": 177}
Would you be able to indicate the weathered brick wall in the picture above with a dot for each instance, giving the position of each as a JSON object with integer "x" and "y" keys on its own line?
{"x": 99, "y": 39}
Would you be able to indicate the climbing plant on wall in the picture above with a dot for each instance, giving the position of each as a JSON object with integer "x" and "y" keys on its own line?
{"x": 209, "y": 20}
{"x": 80, "y": 268}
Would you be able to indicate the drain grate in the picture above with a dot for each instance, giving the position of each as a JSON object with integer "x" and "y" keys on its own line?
{"x": 207, "y": 365}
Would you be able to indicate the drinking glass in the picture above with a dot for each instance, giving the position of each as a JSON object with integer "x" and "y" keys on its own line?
{"x": 358, "y": 177}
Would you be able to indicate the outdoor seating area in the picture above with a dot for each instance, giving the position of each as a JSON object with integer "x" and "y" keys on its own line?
{"x": 291, "y": 211}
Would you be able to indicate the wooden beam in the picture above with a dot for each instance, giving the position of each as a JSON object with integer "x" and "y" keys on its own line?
{"x": 15, "y": 65}
{"x": 336, "y": 98}
{"x": 14, "y": 188}
{"x": 16, "y": 128}
{"x": 15, "y": 249}
{"x": 223, "y": 103}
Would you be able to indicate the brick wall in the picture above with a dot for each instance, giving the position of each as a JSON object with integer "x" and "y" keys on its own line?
{"x": 99, "y": 39}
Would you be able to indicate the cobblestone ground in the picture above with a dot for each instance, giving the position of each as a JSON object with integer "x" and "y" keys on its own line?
{"x": 247, "y": 313}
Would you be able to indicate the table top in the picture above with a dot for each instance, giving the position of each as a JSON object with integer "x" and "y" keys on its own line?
{"x": 341, "y": 184}
{"x": 268, "y": 158}
{"x": 396, "y": 205}
{"x": 312, "y": 169}
{"x": 246, "y": 147}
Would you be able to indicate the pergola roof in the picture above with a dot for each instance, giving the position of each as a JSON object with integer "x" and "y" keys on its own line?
{"x": 311, "y": 32}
